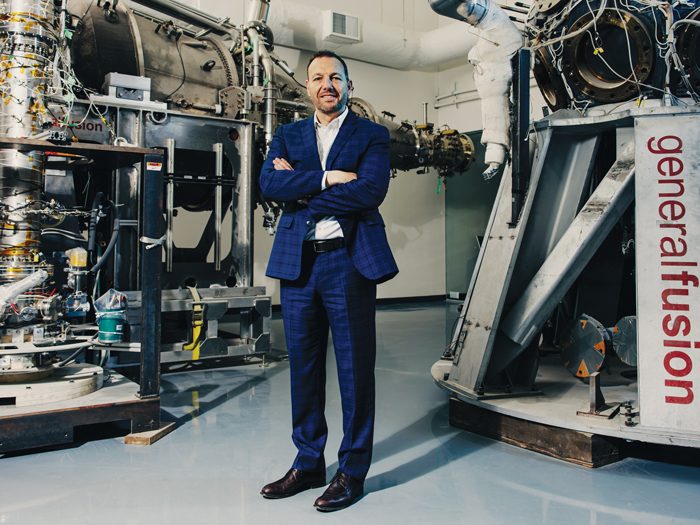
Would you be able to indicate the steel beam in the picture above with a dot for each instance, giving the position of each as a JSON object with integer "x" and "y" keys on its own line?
{"x": 151, "y": 263}
{"x": 568, "y": 259}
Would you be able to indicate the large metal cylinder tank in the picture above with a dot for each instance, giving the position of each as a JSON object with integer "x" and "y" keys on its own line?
{"x": 29, "y": 39}
{"x": 187, "y": 71}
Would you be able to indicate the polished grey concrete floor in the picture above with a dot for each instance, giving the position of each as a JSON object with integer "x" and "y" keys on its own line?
{"x": 234, "y": 436}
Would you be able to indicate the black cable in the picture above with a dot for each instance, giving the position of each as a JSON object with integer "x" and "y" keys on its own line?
{"x": 71, "y": 358}
{"x": 93, "y": 224}
{"x": 450, "y": 348}
{"x": 112, "y": 241}
{"x": 184, "y": 75}
{"x": 65, "y": 234}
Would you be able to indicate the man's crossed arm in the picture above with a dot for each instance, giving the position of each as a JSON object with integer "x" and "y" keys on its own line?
{"x": 346, "y": 192}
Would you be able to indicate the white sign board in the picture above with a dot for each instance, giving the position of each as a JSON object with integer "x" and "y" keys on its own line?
{"x": 667, "y": 243}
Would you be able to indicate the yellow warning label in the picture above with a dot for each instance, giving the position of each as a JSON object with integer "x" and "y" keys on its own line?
{"x": 582, "y": 370}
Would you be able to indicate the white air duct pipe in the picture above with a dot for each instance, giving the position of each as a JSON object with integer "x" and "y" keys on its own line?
{"x": 493, "y": 72}
{"x": 301, "y": 26}
{"x": 9, "y": 292}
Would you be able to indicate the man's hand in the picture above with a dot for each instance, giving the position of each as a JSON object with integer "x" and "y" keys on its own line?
{"x": 339, "y": 177}
{"x": 282, "y": 164}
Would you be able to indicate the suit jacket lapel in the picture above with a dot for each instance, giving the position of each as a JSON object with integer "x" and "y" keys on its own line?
{"x": 308, "y": 134}
{"x": 344, "y": 133}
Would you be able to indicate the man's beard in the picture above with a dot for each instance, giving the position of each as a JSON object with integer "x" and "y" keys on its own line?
{"x": 336, "y": 108}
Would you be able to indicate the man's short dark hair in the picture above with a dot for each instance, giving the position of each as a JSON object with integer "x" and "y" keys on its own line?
{"x": 329, "y": 54}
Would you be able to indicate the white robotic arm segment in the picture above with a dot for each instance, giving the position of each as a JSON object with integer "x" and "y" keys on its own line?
{"x": 500, "y": 40}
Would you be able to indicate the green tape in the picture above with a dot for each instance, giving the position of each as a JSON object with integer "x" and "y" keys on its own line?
{"x": 438, "y": 188}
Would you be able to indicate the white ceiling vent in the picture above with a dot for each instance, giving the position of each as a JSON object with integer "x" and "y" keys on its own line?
{"x": 340, "y": 28}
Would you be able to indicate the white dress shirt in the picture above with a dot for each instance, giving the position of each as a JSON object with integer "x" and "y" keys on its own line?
{"x": 328, "y": 227}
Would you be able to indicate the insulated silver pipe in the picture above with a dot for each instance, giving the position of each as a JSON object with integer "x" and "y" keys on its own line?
{"x": 169, "y": 204}
{"x": 218, "y": 197}
{"x": 470, "y": 11}
{"x": 242, "y": 220}
{"x": 258, "y": 10}
{"x": 253, "y": 35}
{"x": 187, "y": 13}
{"x": 269, "y": 97}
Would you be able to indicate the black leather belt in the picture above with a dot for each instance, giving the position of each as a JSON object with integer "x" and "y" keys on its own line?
{"x": 328, "y": 245}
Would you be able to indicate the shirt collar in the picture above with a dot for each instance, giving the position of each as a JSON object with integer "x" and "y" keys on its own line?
{"x": 339, "y": 120}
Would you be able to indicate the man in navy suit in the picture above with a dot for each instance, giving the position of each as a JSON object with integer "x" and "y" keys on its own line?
{"x": 332, "y": 173}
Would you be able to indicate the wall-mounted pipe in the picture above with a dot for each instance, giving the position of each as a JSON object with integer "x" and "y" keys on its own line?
{"x": 189, "y": 14}
{"x": 260, "y": 55}
{"x": 258, "y": 10}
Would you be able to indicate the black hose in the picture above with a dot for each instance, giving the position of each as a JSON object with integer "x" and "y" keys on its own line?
{"x": 71, "y": 358}
{"x": 62, "y": 233}
{"x": 112, "y": 241}
{"x": 93, "y": 224}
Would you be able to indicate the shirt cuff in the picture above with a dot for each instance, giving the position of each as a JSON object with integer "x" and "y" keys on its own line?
{"x": 323, "y": 181}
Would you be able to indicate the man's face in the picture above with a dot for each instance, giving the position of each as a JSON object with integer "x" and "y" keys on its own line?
{"x": 327, "y": 85}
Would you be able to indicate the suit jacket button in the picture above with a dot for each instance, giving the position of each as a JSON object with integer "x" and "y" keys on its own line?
{"x": 308, "y": 223}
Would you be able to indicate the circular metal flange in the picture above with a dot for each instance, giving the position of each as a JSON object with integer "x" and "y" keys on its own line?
{"x": 456, "y": 152}
{"x": 688, "y": 48}
{"x": 69, "y": 382}
{"x": 23, "y": 376}
{"x": 549, "y": 81}
{"x": 624, "y": 338}
{"x": 546, "y": 6}
{"x": 584, "y": 346}
{"x": 584, "y": 62}
{"x": 363, "y": 109}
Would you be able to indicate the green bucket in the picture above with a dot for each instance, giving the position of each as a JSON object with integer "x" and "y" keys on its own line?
{"x": 111, "y": 326}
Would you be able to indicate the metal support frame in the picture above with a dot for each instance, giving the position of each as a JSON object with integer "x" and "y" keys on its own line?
{"x": 524, "y": 269}
{"x": 567, "y": 260}
{"x": 596, "y": 402}
{"x": 170, "y": 205}
{"x": 520, "y": 150}
{"x": 218, "y": 202}
{"x": 31, "y": 427}
{"x": 228, "y": 146}
{"x": 152, "y": 218}
{"x": 250, "y": 304}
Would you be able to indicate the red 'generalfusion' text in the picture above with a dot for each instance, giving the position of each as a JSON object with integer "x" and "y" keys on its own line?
{"x": 678, "y": 271}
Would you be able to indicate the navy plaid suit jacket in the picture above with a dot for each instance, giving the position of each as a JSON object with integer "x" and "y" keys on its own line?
{"x": 360, "y": 147}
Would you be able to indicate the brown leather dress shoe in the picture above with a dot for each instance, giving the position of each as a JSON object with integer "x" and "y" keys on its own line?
{"x": 294, "y": 482}
{"x": 341, "y": 493}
